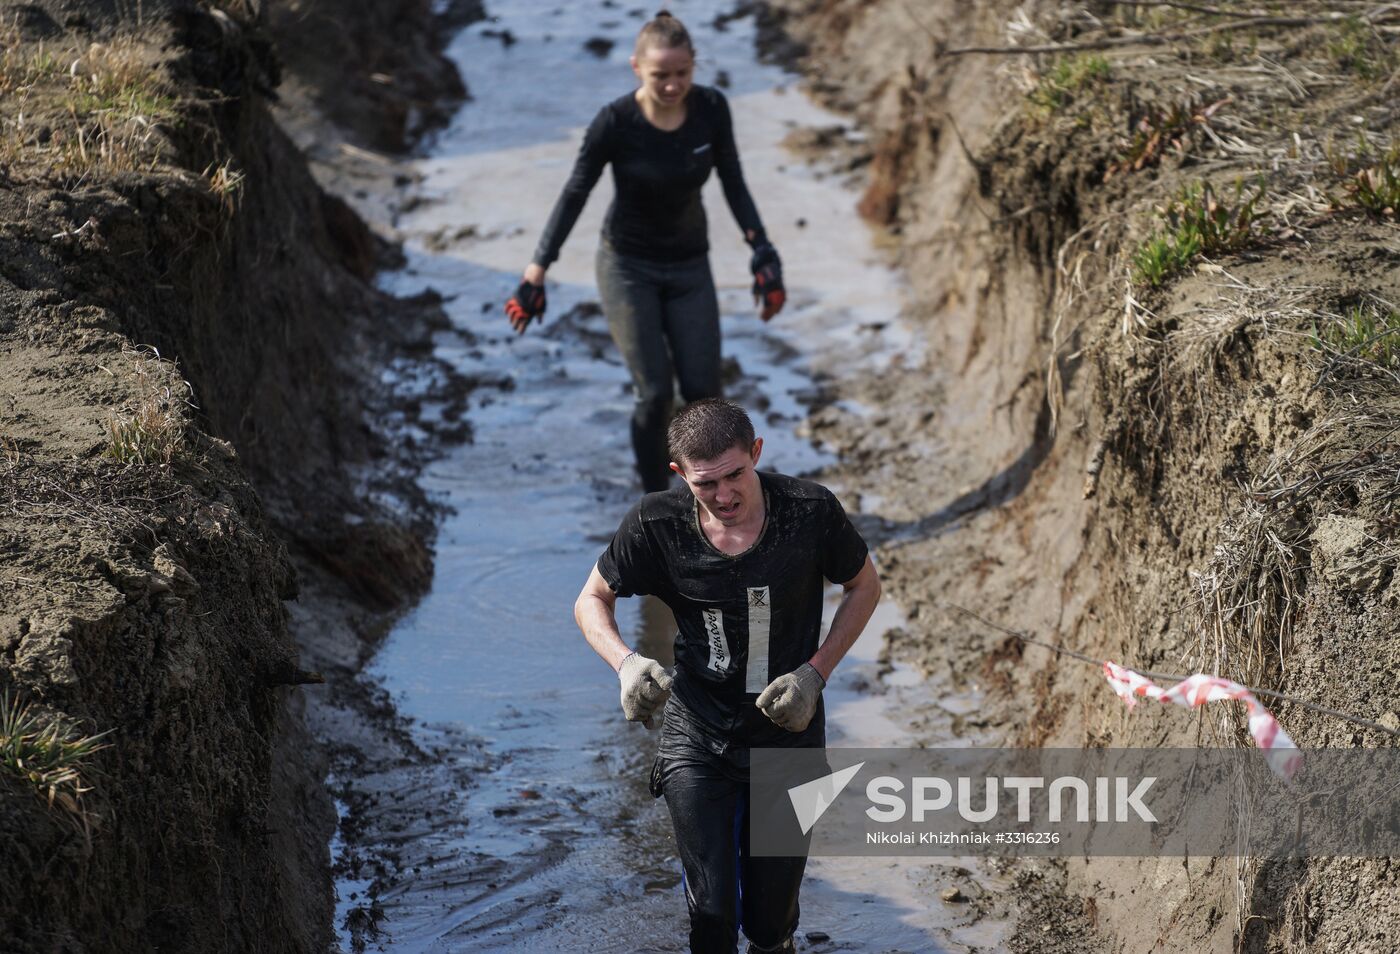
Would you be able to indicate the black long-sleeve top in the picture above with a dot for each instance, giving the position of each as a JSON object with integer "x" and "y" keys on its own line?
{"x": 656, "y": 213}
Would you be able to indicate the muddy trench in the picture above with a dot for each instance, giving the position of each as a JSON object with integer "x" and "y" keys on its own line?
{"x": 510, "y": 813}
{"x": 323, "y": 618}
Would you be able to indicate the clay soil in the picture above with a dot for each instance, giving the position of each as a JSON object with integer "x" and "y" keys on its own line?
{"x": 1197, "y": 475}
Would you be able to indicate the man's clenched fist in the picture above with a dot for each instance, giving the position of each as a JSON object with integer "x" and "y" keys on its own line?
{"x": 791, "y": 699}
{"x": 645, "y": 688}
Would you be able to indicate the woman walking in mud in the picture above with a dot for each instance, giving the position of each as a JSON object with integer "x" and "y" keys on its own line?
{"x": 653, "y": 266}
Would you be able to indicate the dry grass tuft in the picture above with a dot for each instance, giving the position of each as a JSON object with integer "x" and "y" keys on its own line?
{"x": 96, "y": 498}
{"x": 74, "y": 110}
{"x": 154, "y": 429}
{"x": 1249, "y": 597}
{"x": 226, "y": 183}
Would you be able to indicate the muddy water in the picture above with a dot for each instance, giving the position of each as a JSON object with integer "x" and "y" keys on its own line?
{"x": 529, "y": 827}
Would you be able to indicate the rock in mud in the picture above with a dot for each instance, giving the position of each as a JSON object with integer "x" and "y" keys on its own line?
{"x": 45, "y": 655}
{"x": 599, "y": 46}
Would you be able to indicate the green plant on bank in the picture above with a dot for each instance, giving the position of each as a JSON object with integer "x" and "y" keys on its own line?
{"x": 1377, "y": 188}
{"x": 1159, "y": 258}
{"x": 119, "y": 105}
{"x": 47, "y": 755}
{"x": 1069, "y": 75}
{"x": 1160, "y": 131}
{"x": 1197, "y": 222}
{"x": 1359, "y": 49}
{"x": 1365, "y": 331}
{"x": 44, "y": 64}
{"x": 154, "y": 430}
{"x": 1371, "y": 176}
{"x": 118, "y": 80}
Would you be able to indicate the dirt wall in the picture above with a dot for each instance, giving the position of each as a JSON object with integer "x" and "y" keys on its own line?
{"x": 1180, "y": 475}
{"x": 375, "y": 70}
{"x": 190, "y": 341}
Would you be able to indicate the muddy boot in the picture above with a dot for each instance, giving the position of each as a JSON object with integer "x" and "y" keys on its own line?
{"x": 787, "y": 947}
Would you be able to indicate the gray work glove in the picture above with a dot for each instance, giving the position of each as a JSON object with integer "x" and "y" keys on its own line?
{"x": 791, "y": 699}
{"x": 645, "y": 688}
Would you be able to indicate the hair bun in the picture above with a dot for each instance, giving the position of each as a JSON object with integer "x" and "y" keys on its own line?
{"x": 664, "y": 31}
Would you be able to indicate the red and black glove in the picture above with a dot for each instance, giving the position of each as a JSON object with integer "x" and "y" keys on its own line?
{"x": 767, "y": 271}
{"x": 525, "y": 306}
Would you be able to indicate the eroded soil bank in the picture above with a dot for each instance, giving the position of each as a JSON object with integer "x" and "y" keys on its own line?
{"x": 1189, "y": 469}
{"x": 192, "y": 427}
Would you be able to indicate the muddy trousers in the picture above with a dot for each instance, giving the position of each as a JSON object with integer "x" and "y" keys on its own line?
{"x": 664, "y": 318}
{"x": 725, "y": 888}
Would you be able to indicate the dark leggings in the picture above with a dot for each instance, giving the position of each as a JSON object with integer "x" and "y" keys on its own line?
{"x": 664, "y": 318}
{"x": 726, "y": 888}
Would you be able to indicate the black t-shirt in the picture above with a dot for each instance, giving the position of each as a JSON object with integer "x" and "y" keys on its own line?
{"x": 743, "y": 620}
{"x": 656, "y": 213}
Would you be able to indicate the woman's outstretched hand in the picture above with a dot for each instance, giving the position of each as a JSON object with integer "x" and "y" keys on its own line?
{"x": 768, "y": 288}
{"x": 528, "y": 302}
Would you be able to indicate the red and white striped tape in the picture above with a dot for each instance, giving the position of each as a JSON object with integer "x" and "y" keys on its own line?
{"x": 1279, "y": 751}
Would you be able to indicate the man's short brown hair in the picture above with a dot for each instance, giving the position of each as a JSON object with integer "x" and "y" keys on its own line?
{"x": 705, "y": 429}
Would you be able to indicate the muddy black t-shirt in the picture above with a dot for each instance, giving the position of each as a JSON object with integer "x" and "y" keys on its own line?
{"x": 656, "y": 213}
{"x": 743, "y": 620}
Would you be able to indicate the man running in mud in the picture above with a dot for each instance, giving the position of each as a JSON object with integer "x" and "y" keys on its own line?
{"x": 740, "y": 557}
